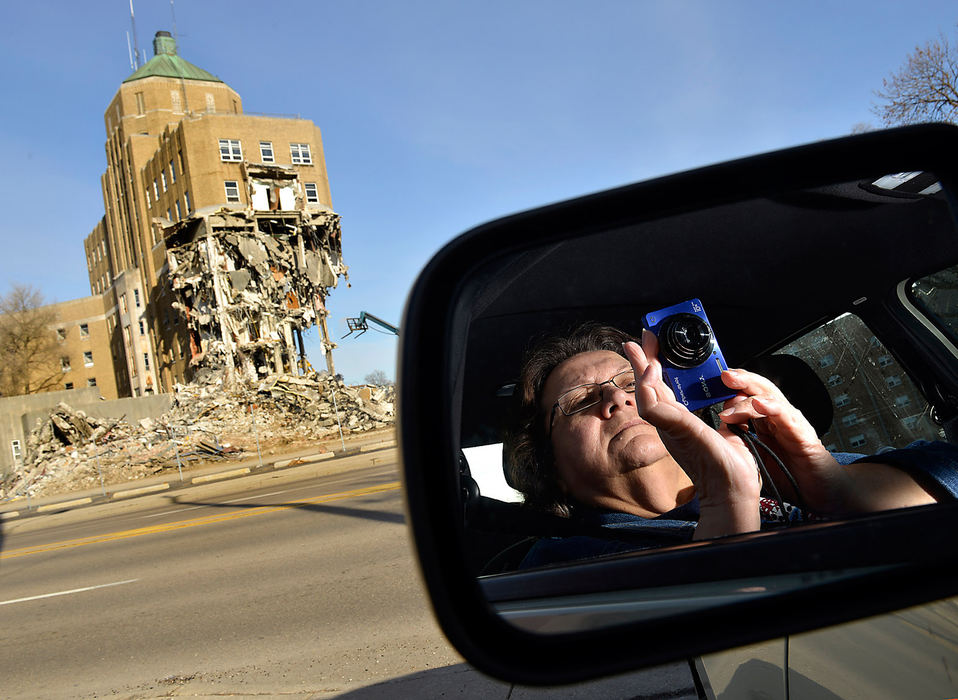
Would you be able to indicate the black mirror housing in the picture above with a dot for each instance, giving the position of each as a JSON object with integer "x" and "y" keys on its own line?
{"x": 811, "y": 577}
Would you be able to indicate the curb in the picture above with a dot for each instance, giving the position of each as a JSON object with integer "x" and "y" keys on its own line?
{"x": 123, "y": 494}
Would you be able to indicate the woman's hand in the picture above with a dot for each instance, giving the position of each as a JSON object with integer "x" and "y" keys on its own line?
{"x": 826, "y": 486}
{"x": 718, "y": 462}
{"x": 823, "y": 482}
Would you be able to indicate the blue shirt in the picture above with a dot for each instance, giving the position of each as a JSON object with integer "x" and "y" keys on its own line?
{"x": 933, "y": 465}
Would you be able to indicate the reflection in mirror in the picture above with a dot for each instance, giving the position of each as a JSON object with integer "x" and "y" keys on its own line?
{"x": 799, "y": 291}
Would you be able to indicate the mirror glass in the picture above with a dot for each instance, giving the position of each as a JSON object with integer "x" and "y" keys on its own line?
{"x": 802, "y": 288}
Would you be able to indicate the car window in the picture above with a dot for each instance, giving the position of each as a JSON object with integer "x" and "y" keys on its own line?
{"x": 876, "y": 405}
{"x": 937, "y": 296}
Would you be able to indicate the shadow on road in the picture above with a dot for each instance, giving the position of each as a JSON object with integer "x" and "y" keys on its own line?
{"x": 376, "y": 515}
{"x": 462, "y": 680}
{"x": 459, "y": 680}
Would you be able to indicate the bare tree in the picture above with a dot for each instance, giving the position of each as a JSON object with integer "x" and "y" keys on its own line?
{"x": 28, "y": 343}
{"x": 924, "y": 89}
{"x": 377, "y": 378}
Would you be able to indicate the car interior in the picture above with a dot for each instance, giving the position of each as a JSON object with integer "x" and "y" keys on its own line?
{"x": 719, "y": 255}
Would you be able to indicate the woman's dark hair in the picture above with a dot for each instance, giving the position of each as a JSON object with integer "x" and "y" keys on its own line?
{"x": 530, "y": 464}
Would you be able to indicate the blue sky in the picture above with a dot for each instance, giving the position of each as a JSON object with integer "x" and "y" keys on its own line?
{"x": 437, "y": 116}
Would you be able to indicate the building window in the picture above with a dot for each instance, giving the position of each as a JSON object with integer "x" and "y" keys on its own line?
{"x": 156, "y": 191}
{"x": 210, "y": 102}
{"x": 179, "y": 213}
{"x": 850, "y": 419}
{"x": 146, "y": 360}
{"x": 61, "y": 334}
{"x": 910, "y": 422}
{"x": 299, "y": 153}
{"x": 140, "y": 104}
{"x": 230, "y": 149}
{"x": 232, "y": 191}
{"x": 84, "y": 330}
{"x": 136, "y": 297}
{"x": 65, "y": 364}
{"x": 17, "y": 450}
{"x": 892, "y": 381}
{"x": 186, "y": 201}
{"x": 175, "y": 100}
{"x": 826, "y": 361}
{"x": 884, "y": 360}
{"x": 172, "y": 171}
{"x": 312, "y": 194}
{"x": 902, "y": 401}
{"x": 68, "y": 386}
{"x": 169, "y": 215}
{"x": 123, "y": 305}
{"x": 142, "y": 328}
{"x": 266, "y": 151}
{"x": 835, "y": 380}
{"x": 857, "y": 440}
{"x": 88, "y": 358}
{"x": 163, "y": 179}
{"x": 842, "y": 400}
{"x": 91, "y": 381}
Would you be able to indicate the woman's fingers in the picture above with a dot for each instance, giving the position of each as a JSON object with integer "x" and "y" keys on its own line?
{"x": 650, "y": 344}
{"x": 751, "y": 384}
{"x": 636, "y": 356}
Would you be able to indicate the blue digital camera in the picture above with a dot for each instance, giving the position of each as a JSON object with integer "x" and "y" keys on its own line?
{"x": 691, "y": 359}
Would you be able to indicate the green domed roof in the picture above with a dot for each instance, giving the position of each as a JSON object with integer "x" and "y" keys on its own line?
{"x": 166, "y": 64}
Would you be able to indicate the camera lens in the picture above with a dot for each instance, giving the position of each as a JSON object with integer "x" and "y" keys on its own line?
{"x": 685, "y": 340}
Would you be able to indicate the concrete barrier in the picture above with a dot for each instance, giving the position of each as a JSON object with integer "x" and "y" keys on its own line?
{"x": 142, "y": 491}
{"x": 303, "y": 460}
{"x": 221, "y": 475}
{"x": 64, "y": 504}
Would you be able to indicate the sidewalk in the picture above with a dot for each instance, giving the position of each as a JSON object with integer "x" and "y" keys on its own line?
{"x": 169, "y": 481}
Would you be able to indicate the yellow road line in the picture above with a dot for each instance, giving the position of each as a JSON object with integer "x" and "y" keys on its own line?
{"x": 208, "y": 520}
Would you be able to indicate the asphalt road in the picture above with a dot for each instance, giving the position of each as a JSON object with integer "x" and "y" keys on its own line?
{"x": 260, "y": 585}
{"x": 297, "y": 583}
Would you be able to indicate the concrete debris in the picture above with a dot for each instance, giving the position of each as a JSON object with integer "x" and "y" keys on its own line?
{"x": 249, "y": 282}
{"x": 210, "y": 420}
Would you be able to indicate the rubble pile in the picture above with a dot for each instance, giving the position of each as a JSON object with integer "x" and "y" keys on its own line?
{"x": 249, "y": 282}
{"x": 210, "y": 420}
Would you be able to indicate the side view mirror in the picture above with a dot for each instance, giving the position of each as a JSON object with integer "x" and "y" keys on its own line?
{"x": 776, "y": 246}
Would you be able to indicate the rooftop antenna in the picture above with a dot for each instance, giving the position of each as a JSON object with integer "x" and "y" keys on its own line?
{"x": 136, "y": 44}
{"x": 129, "y": 50}
{"x": 173, "y": 17}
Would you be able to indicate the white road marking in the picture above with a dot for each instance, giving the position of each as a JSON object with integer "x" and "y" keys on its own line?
{"x": 170, "y": 512}
{"x": 75, "y": 590}
{"x": 261, "y": 495}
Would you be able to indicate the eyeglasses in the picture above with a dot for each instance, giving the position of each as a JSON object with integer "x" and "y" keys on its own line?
{"x": 584, "y": 396}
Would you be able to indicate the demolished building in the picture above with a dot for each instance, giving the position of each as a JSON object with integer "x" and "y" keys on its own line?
{"x": 249, "y": 282}
{"x": 219, "y": 242}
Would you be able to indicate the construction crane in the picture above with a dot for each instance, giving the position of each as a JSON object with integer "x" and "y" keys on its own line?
{"x": 361, "y": 324}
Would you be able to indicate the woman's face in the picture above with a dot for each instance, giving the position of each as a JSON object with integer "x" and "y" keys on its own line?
{"x": 606, "y": 450}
